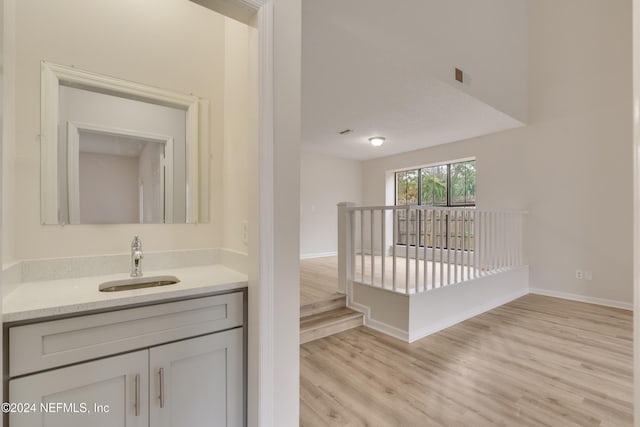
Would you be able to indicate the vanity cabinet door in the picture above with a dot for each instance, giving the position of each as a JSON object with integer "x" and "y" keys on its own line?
{"x": 198, "y": 382}
{"x": 110, "y": 392}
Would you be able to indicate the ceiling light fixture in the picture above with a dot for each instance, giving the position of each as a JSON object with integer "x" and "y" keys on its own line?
{"x": 376, "y": 141}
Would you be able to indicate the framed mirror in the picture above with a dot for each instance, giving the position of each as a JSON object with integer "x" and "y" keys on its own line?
{"x": 114, "y": 151}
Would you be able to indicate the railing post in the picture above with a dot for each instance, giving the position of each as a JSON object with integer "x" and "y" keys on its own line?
{"x": 345, "y": 245}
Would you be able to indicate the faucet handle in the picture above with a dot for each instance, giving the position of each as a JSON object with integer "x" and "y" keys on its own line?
{"x": 136, "y": 257}
{"x": 136, "y": 242}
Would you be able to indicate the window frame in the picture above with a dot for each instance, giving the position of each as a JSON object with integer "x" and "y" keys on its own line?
{"x": 449, "y": 203}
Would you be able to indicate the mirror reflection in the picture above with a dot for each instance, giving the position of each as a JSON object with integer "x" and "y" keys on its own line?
{"x": 122, "y": 151}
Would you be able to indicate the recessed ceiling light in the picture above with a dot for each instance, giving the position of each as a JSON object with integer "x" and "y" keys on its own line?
{"x": 376, "y": 141}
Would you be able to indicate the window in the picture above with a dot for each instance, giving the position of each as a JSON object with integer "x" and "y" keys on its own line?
{"x": 407, "y": 188}
{"x": 462, "y": 179}
{"x": 452, "y": 184}
{"x": 449, "y": 185}
{"x": 434, "y": 186}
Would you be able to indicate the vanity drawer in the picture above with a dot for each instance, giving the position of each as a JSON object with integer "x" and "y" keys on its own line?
{"x": 46, "y": 345}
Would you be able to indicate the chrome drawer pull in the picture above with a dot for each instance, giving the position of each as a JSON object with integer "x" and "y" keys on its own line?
{"x": 161, "y": 373}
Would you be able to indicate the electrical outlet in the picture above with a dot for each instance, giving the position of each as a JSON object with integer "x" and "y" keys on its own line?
{"x": 579, "y": 274}
{"x": 588, "y": 275}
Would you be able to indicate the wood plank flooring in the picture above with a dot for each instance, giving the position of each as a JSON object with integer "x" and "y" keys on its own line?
{"x": 318, "y": 279}
{"x": 437, "y": 274}
{"x": 328, "y": 323}
{"x": 319, "y": 276}
{"x": 537, "y": 361}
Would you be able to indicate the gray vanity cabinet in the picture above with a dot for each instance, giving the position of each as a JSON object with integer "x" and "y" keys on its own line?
{"x": 182, "y": 365}
{"x": 199, "y": 384}
{"x": 102, "y": 393}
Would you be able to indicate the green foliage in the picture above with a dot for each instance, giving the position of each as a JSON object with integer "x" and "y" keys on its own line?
{"x": 463, "y": 182}
{"x": 407, "y": 188}
{"x": 433, "y": 183}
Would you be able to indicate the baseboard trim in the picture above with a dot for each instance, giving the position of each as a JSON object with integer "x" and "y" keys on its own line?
{"x": 461, "y": 317}
{"x": 386, "y": 329}
{"x": 582, "y": 298}
{"x": 318, "y": 255}
{"x": 361, "y": 308}
{"x": 378, "y": 325}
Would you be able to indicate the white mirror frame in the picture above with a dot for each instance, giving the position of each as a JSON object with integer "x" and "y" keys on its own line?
{"x": 53, "y": 76}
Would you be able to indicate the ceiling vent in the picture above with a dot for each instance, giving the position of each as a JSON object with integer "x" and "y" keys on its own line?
{"x": 459, "y": 75}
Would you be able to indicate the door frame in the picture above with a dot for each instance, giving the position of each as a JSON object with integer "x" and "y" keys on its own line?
{"x": 73, "y": 164}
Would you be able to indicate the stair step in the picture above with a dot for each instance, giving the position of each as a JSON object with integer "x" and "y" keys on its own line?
{"x": 327, "y": 323}
{"x": 333, "y": 302}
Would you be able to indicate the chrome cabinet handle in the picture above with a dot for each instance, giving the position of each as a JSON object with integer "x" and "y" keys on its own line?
{"x": 161, "y": 374}
{"x": 137, "y": 394}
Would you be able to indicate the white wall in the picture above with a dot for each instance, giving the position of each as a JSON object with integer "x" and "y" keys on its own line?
{"x": 173, "y": 44}
{"x": 325, "y": 181}
{"x": 283, "y": 262}
{"x": 274, "y": 173}
{"x": 571, "y": 167}
{"x": 579, "y": 144}
{"x": 178, "y": 46}
{"x": 8, "y": 127}
{"x": 636, "y": 203}
{"x": 151, "y": 178}
{"x": 2, "y": 139}
{"x": 497, "y": 157}
{"x": 236, "y": 134}
{"x": 258, "y": 364}
{"x": 108, "y": 188}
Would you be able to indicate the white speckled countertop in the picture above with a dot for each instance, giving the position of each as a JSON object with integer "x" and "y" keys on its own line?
{"x": 32, "y": 300}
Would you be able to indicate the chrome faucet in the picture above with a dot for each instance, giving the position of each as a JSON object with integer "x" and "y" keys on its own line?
{"x": 136, "y": 257}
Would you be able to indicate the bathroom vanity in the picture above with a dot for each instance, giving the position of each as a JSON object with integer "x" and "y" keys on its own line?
{"x": 121, "y": 138}
{"x": 152, "y": 357}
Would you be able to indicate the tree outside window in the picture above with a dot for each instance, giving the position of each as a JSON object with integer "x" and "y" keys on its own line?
{"x": 447, "y": 185}
{"x": 407, "y": 188}
{"x": 452, "y": 184}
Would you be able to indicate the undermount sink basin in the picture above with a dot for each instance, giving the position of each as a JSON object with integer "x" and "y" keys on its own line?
{"x": 137, "y": 283}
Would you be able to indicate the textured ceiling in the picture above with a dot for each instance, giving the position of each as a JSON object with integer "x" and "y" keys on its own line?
{"x": 374, "y": 74}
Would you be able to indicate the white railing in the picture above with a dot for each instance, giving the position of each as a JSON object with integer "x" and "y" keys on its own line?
{"x": 412, "y": 249}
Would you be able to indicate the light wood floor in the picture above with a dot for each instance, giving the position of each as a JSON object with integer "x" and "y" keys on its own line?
{"x": 318, "y": 279}
{"x": 319, "y": 276}
{"x": 436, "y": 275}
{"x": 537, "y": 361}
